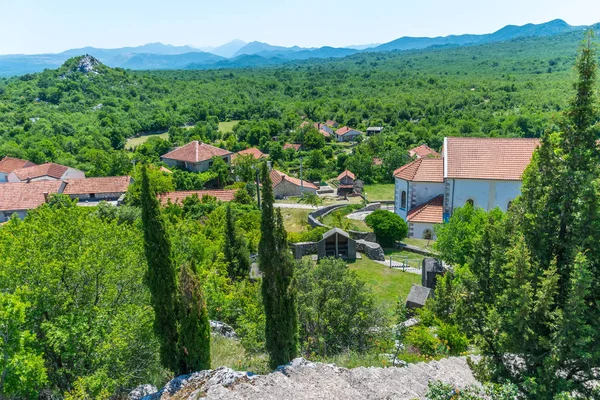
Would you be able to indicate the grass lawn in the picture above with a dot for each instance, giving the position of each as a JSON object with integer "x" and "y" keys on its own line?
{"x": 422, "y": 243}
{"x": 389, "y": 284}
{"x": 413, "y": 260}
{"x": 226, "y": 127}
{"x": 136, "y": 141}
{"x": 295, "y": 219}
{"x": 381, "y": 191}
{"x": 347, "y": 224}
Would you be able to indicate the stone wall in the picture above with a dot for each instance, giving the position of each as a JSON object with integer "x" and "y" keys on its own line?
{"x": 321, "y": 212}
{"x": 304, "y": 248}
{"x": 371, "y": 250}
{"x": 370, "y": 207}
{"x": 368, "y": 236}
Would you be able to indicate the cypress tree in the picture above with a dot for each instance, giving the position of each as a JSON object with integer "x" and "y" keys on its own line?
{"x": 194, "y": 327}
{"x": 161, "y": 276}
{"x": 235, "y": 248}
{"x": 279, "y": 300}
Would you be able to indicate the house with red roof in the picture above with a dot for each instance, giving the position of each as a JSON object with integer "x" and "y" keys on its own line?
{"x": 295, "y": 146}
{"x": 90, "y": 191}
{"x": 483, "y": 172}
{"x": 195, "y": 156}
{"x": 346, "y": 134}
{"x": 345, "y": 183}
{"x": 288, "y": 186}
{"x": 252, "y": 152}
{"x": 18, "y": 198}
{"x": 423, "y": 151}
{"x": 331, "y": 123}
{"x": 44, "y": 172}
{"x": 9, "y": 164}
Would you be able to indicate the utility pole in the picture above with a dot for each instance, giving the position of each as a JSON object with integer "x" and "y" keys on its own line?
{"x": 301, "y": 181}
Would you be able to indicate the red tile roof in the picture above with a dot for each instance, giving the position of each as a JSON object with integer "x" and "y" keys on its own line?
{"x": 55, "y": 171}
{"x": 377, "y": 161}
{"x": 331, "y": 122}
{"x": 488, "y": 158}
{"x": 343, "y": 130}
{"x": 422, "y": 170}
{"x": 423, "y": 151}
{"x": 26, "y": 196}
{"x": 344, "y": 174}
{"x": 167, "y": 170}
{"x": 253, "y": 151}
{"x": 430, "y": 212}
{"x": 324, "y": 133}
{"x": 9, "y": 164}
{"x": 110, "y": 184}
{"x": 195, "y": 152}
{"x": 278, "y": 176}
{"x": 295, "y": 146}
{"x": 178, "y": 197}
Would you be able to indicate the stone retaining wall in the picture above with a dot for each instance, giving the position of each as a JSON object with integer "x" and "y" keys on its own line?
{"x": 368, "y": 236}
{"x": 371, "y": 250}
{"x": 304, "y": 248}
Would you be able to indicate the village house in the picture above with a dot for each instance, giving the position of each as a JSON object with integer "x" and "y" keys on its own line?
{"x": 294, "y": 146}
{"x": 374, "y": 130}
{"x": 331, "y": 123}
{"x": 195, "y": 156}
{"x": 19, "y": 198}
{"x": 346, "y": 134}
{"x": 345, "y": 183}
{"x": 179, "y": 196}
{"x": 253, "y": 152}
{"x": 44, "y": 172}
{"x": 90, "y": 191}
{"x": 483, "y": 172}
{"x": 9, "y": 164}
{"x": 423, "y": 151}
{"x": 287, "y": 186}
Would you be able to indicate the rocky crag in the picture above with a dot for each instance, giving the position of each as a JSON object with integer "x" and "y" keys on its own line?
{"x": 305, "y": 380}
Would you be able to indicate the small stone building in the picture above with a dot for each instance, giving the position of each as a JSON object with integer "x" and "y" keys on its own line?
{"x": 345, "y": 183}
{"x": 337, "y": 243}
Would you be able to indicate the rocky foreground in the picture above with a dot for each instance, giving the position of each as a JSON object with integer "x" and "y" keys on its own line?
{"x": 303, "y": 379}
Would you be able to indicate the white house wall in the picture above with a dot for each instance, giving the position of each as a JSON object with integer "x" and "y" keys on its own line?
{"x": 194, "y": 167}
{"x": 421, "y": 192}
{"x": 401, "y": 185}
{"x": 487, "y": 194}
{"x": 417, "y": 230}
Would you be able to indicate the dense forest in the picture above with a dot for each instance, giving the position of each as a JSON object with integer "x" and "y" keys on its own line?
{"x": 83, "y": 119}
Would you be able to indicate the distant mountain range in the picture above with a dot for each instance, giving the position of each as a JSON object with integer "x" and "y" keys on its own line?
{"x": 239, "y": 54}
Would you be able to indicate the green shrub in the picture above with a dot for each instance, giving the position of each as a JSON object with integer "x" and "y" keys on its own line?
{"x": 388, "y": 227}
{"x": 423, "y": 340}
{"x": 453, "y": 338}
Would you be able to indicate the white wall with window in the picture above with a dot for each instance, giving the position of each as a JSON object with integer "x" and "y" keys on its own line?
{"x": 487, "y": 194}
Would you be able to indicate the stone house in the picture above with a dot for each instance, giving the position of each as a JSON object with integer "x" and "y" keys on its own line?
{"x": 287, "y": 186}
{"x": 195, "y": 156}
{"x": 345, "y": 183}
{"x": 483, "y": 172}
{"x": 253, "y": 152}
{"x": 44, "y": 172}
{"x": 179, "y": 196}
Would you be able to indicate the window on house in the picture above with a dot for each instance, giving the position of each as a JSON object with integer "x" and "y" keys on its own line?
{"x": 403, "y": 199}
{"x": 471, "y": 202}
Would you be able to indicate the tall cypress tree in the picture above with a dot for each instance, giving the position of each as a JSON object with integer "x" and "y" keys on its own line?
{"x": 194, "y": 327}
{"x": 235, "y": 248}
{"x": 161, "y": 276}
{"x": 279, "y": 300}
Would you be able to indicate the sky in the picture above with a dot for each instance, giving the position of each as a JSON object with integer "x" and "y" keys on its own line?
{"x": 50, "y": 26}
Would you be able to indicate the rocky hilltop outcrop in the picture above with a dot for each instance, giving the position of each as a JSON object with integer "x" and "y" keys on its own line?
{"x": 303, "y": 379}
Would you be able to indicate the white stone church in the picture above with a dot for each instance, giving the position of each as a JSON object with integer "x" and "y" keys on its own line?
{"x": 485, "y": 172}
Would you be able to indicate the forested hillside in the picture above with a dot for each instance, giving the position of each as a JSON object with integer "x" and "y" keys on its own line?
{"x": 82, "y": 119}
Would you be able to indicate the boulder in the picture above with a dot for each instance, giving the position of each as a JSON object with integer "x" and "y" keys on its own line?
{"x": 371, "y": 250}
{"x": 222, "y": 329}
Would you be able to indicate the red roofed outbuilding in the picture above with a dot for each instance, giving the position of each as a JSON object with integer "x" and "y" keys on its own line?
{"x": 179, "y": 196}
{"x": 45, "y": 172}
{"x": 288, "y": 186}
{"x": 9, "y": 164}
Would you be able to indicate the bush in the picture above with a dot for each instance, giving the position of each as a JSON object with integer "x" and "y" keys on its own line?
{"x": 336, "y": 310}
{"x": 455, "y": 340}
{"x": 423, "y": 340}
{"x": 388, "y": 227}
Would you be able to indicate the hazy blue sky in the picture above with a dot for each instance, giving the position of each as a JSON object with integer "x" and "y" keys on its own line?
{"x": 36, "y": 26}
